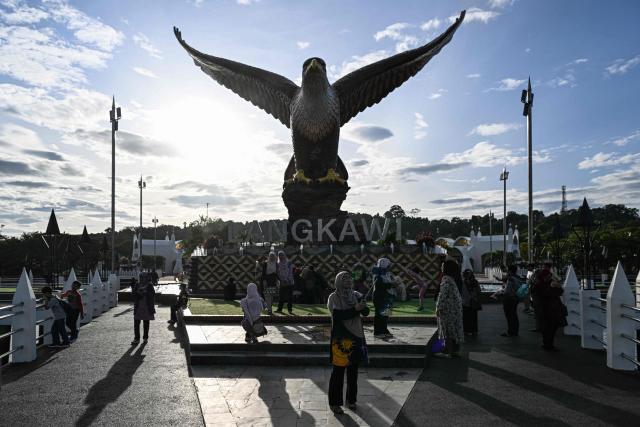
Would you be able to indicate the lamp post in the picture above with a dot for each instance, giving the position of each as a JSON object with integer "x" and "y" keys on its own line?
{"x": 537, "y": 246}
{"x": 141, "y": 185}
{"x": 155, "y": 227}
{"x": 583, "y": 230}
{"x": 503, "y": 177}
{"x": 527, "y": 100}
{"x": 491, "y": 237}
{"x": 114, "y": 115}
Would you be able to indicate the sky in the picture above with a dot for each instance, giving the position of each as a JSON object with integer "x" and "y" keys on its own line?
{"x": 436, "y": 145}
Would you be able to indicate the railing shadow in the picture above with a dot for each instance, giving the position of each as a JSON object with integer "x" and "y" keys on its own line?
{"x": 109, "y": 389}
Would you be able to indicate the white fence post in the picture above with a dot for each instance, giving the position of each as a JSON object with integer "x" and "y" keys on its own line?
{"x": 638, "y": 290}
{"x": 619, "y": 326}
{"x": 72, "y": 278}
{"x": 26, "y": 339}
{"x": 114, "y": 287}
{"x": 96, "y": 284}
{"x": 592, "y": 319}
{"x": 572, "y": 301}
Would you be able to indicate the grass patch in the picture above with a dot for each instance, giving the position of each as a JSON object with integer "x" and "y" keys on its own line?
{"x": 8, "y": 290}
{"x": 221, "y": 307}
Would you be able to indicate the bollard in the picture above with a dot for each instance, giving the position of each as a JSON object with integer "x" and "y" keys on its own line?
{"x": 618, "y": 325}
{"x": 591, "y": 320}
{"x": 26, "y": 339}
{"x": 571, "y": 297}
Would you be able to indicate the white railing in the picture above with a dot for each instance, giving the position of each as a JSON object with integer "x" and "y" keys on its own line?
{"x": 610, "y": 323}
{"x": 25, "y": 315}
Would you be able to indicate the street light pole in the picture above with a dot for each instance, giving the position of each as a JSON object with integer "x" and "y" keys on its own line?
{"x": 141, "y": 185}
{"x": 155, "y": 227}
{"x": 114, "y": 115}
{"x": 503, "y": 177}
{"x": 491, "y": 237}
{"x": 527, "y": 100}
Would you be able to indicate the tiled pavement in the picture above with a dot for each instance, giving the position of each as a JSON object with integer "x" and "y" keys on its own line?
{"x": 296, "y": 396}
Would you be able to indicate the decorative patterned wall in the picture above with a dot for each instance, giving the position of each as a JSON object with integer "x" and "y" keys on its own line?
{"x": 210, "y": 273}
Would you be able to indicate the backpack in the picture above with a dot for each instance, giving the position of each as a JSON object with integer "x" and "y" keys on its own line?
{"x": 522, "y": 291}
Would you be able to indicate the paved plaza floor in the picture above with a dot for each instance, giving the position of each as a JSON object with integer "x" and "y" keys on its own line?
{"x": 296, "y": 396}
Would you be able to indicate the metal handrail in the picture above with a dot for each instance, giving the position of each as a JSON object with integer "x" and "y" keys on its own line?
{"x": 629, "y": 337}
{"x": 604, "y": 344}
{"x": 9, "y": 353}
{"x": 38, "y": 307}
{"x": 8, "y": 316}
{"x": 599, "y": 324}
{"x": 598, "y": 299}
{"x": 8, "y": 334}
{"x": 44, "y": 320}
{"x": 630, "y": 307}
{"x": 630, "y": 317}
{"x": 631, "y": 359}
{"x": 598, "y": 306}
{"x": 9, "y": 307}
{"x": 43, "y": 335}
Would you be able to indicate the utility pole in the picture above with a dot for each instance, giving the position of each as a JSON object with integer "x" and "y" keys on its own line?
{"x": 141, "y": 185}
{"x": 207, "y": 210}
{"x": 491, "y": 237}
{"x": 527, "y": 100}
{"x": 155, "y": 227}
{"x": 503, "y": 177}
{"x": 114, "y": 115}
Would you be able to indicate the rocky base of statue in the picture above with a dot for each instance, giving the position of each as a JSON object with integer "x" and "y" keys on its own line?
{"x": 314, "y": 211}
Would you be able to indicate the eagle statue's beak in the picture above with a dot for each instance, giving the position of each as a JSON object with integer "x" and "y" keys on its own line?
{"x": 314, "y": 65}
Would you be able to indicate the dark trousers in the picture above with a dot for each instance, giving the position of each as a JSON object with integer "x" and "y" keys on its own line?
{"x": 136, "y": 329}
{"x": 470, "y": 320}
{"x": 72, "y": 323}
{"x": 174, "y": 310}
{"x": 58, "y": 331}
{"x": 548, "y": 333}
{"x": 510, "y": 306}
{"x": 537, "y": 311}
{"x": 380, "y": 324}
{"x": 336, "y": 385}
{"x": 286, "y": 294}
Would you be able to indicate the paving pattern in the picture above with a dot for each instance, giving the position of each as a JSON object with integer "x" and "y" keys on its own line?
{"x": 296, "y": 396}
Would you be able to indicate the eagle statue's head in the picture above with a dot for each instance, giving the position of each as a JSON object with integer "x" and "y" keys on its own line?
{"x": 314, "y": 74}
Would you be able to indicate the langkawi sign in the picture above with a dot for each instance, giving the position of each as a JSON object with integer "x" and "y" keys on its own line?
{"x": 320, "y": 230}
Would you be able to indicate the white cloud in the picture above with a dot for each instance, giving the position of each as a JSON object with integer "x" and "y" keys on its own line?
{"x": 622, "y": 141}
{"x": 491, "y": 129}
{"x": 580, "y": 61}
{"x": 22, "y": 14}
{"x": 608, "y": 159}
{"x": 500, "y": 4}
{"x": 622, "y": 66}
{"x": 435, "y": 95}
{"x": 508, "y": 84}
{"x": 302, "y": 45}
{"x": 246, "y": 2}
{"x": 357, "y": 62}
{"x": 19, "y": 136}
{"x": 475, "y": 14}
{"x": 473, "y": 76}
{"x": 431, "y": 24}
{"x": 144, "y": 72}
{"x": 395, "y": 32}
{"x": 420, "y": 126}
{"x": 144, "y": 43}
{"x": 568, "y": 79}
{"x": 485, "y": 154}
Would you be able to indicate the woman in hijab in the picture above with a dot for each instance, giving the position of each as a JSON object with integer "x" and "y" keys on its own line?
{"x": 143, "y": 307}
{"x": 383, "y": 297}
{"x": 285, "y": 276}
{"x": 348, "y": 346}
{"x": 449, "y": 310}
{"x": 269, "y": 279}
{"x": 252, "y": 306}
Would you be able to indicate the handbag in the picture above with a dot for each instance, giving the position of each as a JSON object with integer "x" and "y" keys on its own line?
{"x": 522, "y": 291}
{"x": 438, "y": 345}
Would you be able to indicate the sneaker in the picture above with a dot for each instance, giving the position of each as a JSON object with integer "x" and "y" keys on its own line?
{"x": 420, "y": 308}
{"x": 352, "y": 406}
{"x": 380, "y": 336}
{"x": 169, "y": 321}
{"x": 135, "y": 342}
{"x": 336, "y": 409}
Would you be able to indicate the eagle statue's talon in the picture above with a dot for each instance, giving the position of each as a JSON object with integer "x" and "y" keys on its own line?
{"x": 301, "y": 177}
{"x": 332, "y": 176}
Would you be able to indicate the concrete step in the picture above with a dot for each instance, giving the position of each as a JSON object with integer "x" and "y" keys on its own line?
{"x": 269, "y": 358}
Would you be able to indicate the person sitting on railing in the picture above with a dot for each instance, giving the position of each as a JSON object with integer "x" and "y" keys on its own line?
{"x": 77, "y": 309}
{"x": 58, "y": 330}
{"x": 181, "y": 302}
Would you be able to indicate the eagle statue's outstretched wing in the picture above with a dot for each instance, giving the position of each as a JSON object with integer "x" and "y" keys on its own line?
{"x": 370, "y": 84}
{"x": 266, "y": 90}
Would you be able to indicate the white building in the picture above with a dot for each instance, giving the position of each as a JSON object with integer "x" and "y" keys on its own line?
{"x": 167, "y": 248}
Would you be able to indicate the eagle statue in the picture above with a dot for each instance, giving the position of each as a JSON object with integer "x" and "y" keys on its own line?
{"x": 317, "y": 109}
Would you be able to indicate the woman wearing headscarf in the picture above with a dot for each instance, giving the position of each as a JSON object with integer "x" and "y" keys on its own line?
{"x": 269, "y": 279}
{"x": 252, "y": 306}
{"x": 348, "y": 346}
{"x": 383, "y": 297}
{"x": 143, "y": 307}
{"x": 285, "y": 276}
{"x": 449, "y": 310}
{"x": 470, "y": 302}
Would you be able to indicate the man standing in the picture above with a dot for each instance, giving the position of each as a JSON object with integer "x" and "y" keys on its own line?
{"x": 285, "y": 276}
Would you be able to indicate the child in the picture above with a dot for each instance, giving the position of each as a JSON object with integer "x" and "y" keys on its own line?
{"x": 58, "y": 329}
{"x": 252, "y": 306}
{"x": 181, "y": 302}
{"x": 77, "y": 309}
{"x": 414, "y": 273}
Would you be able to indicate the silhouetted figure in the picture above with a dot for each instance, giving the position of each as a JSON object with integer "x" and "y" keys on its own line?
{"x": 230, "y": 290}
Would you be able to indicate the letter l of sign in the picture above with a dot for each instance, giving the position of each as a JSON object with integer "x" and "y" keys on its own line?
{"x": 322, "y": 229}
